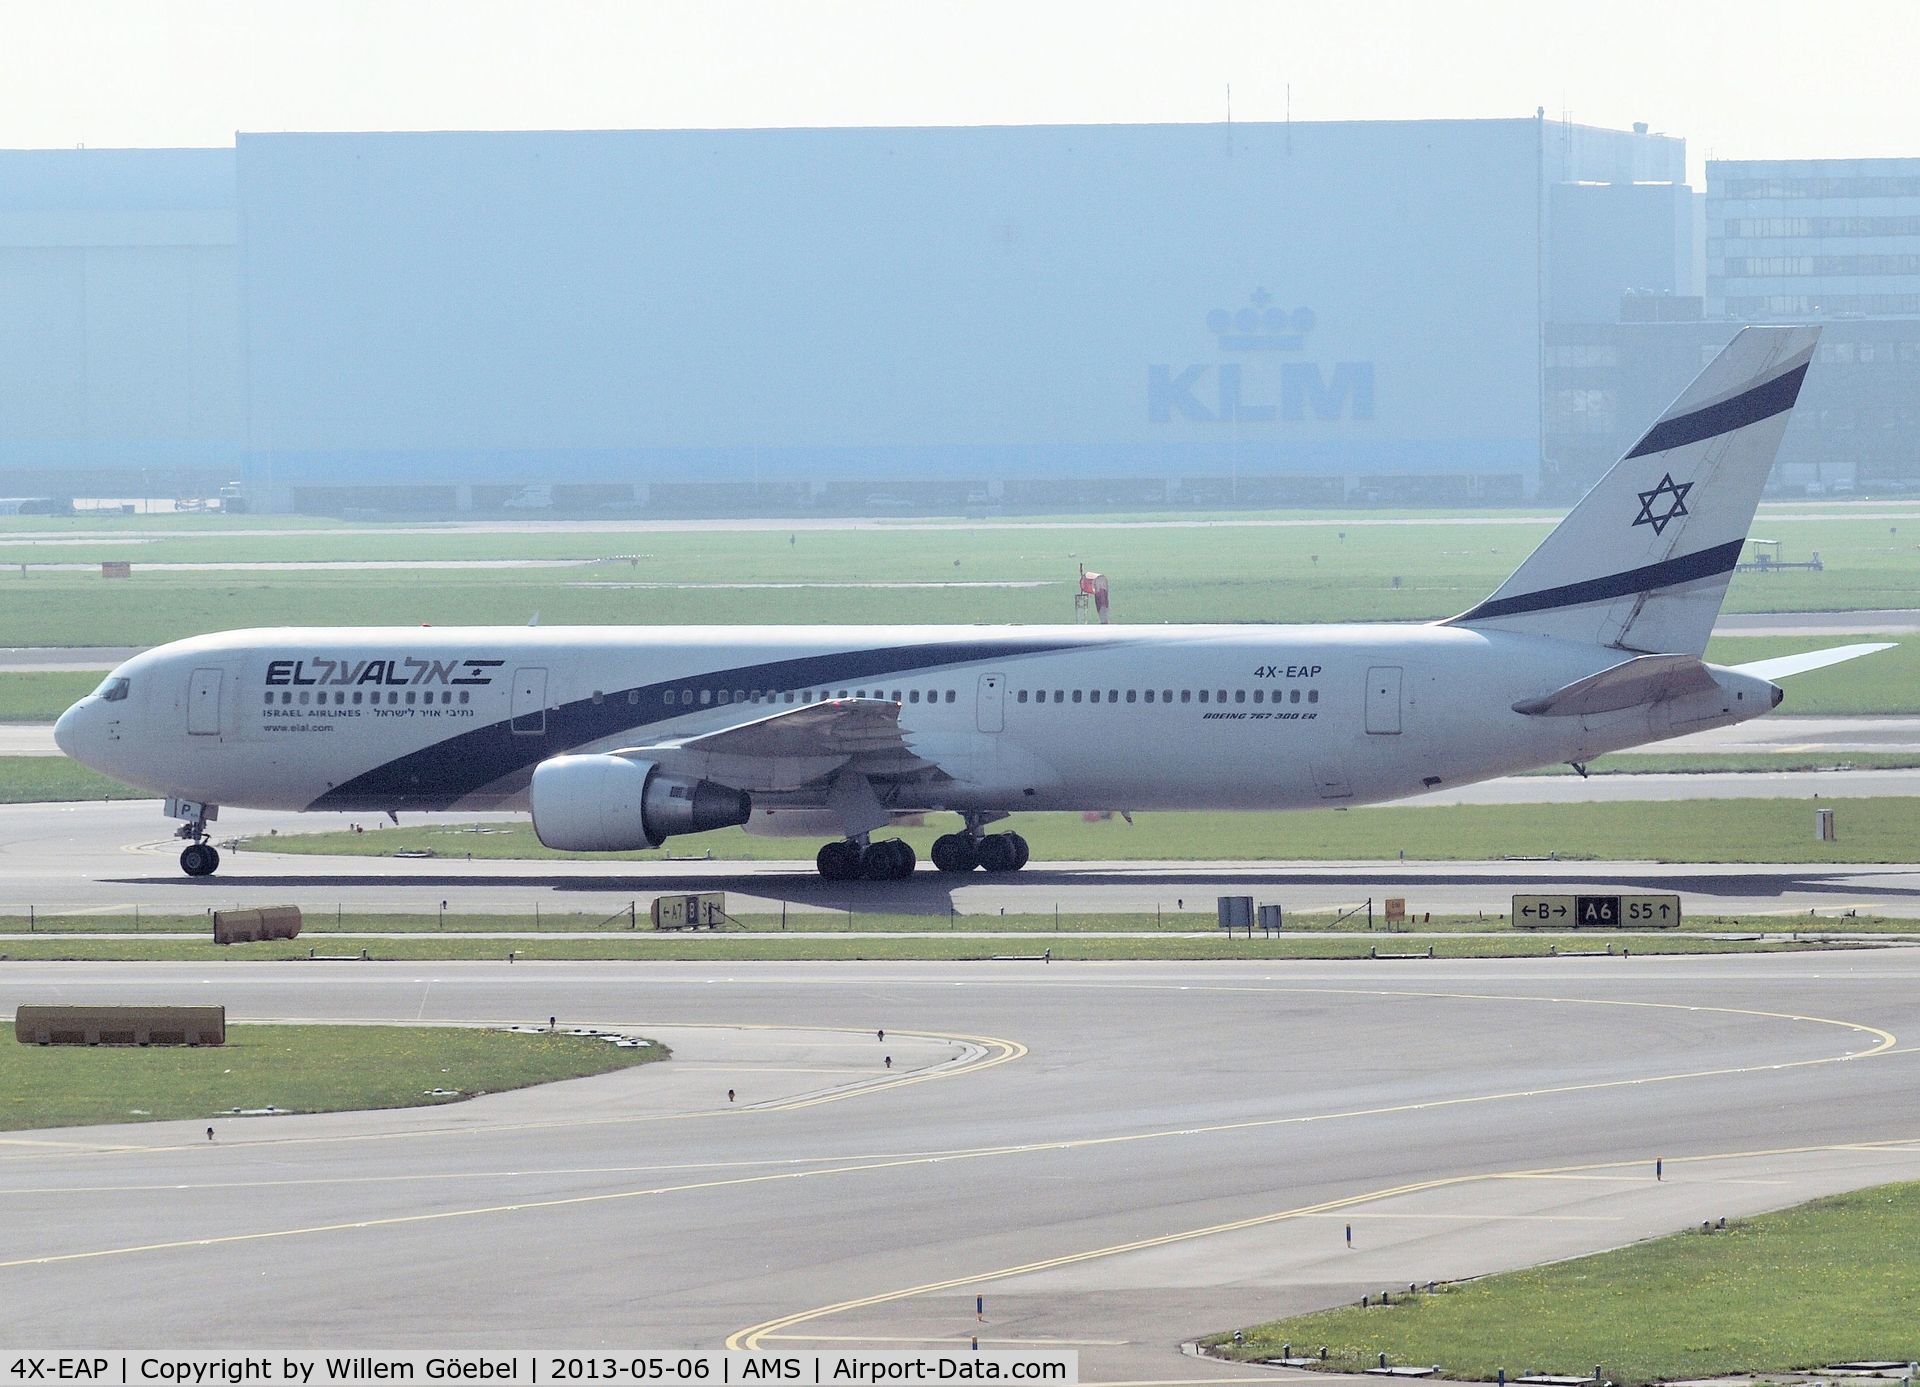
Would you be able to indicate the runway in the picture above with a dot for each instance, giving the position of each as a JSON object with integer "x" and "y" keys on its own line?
{"x": 1117, "y": 1157}
{"x": 107, "y": 857}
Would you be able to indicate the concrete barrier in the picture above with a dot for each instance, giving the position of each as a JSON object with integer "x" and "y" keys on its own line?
{"x": 251, "y": 926}
{"x": 51, "y": 1025}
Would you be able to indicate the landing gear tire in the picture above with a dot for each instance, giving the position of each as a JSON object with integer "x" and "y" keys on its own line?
{"x": 199, "y": 859}
{"x": 839, "y": 861}
{"x": 889, "y": 860}
{"x": 999, "y": 852}
{"x": 1020, "y": 851}
{"x": 954, "y": 852}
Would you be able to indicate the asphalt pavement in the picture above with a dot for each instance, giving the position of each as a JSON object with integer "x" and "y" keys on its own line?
{"x": 1117, "y": 1157}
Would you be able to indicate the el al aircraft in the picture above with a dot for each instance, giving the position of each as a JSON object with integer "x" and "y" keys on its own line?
{"x": 617, "y": 738}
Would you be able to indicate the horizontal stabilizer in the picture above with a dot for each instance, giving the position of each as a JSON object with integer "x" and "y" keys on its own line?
{"x": 1784, "y": 665}
{"x": 1645, "y": 679}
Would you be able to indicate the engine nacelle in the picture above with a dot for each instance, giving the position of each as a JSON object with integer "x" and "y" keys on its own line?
{"x": 613, "y": 804}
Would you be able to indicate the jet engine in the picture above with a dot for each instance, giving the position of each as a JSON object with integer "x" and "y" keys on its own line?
{"x": 613, "y": 804}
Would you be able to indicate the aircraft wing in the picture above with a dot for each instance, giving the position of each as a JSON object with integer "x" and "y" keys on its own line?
{"x": 1643, "y": 679}
{"x": 798, "y": 746}
{"x": 1784, "y": 665}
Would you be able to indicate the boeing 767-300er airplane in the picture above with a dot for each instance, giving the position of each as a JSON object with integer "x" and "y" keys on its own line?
{"x": 618, "y": 738}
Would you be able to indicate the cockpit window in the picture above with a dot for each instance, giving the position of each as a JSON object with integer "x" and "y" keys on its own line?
{"x": 115, "y": 689}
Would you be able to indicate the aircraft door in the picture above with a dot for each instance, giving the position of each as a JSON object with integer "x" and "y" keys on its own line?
{"x": 1383, "y": 699}
{"x": 203, "y": 703}
{"x": 530, "y": 700}
{"x": 992, "y": 713}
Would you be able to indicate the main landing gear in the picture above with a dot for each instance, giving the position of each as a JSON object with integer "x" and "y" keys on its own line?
{"x": 855, "y": 859}
{"x": 991, "y": 852}
{"x": 848, "y": 860}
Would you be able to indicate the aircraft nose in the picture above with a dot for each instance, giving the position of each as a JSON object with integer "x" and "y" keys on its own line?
{"x": 66, "y": 732}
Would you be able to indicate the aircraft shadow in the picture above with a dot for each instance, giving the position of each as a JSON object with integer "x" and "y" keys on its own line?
{"x": 933, "y": 893}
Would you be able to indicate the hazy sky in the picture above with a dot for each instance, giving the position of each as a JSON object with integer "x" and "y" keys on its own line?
{"x": 1745, "y": 80}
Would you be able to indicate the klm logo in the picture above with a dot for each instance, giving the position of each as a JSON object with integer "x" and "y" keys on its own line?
{"x": 1261, "y": 390}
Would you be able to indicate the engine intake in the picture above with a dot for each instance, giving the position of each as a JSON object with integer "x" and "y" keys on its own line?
{"x": 613, "y": 804}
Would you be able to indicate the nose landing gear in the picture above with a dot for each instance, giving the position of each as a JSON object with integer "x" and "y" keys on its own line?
{"x": 198, "y": 858}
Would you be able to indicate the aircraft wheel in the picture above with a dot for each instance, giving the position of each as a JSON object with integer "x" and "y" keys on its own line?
{"x": 998, "y": 853}
{"x": 953, "y": 852}
{"x": 890, "y": 860}
{"x": 839, "y": 861}
{"x": 199, "y": 860}
{"x": 1020, "y": 852}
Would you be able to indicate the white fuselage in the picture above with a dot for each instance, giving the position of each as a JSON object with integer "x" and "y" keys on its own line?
{"x": 1177, "y": 717}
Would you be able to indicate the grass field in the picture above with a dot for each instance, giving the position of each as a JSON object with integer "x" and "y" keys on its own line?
{"x": 1713, "y": 830}
{"x": 52, "y": 779}
{"x": 1332, "y": 569}
{"x": 297, "y": 1068}
{"x": 1833, "y": 1281}
{"x": 646, "y": 946}
{"x": 43, "y": 695}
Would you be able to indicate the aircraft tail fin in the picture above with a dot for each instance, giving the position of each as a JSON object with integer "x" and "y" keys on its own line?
{"x": 1642, "y": 562}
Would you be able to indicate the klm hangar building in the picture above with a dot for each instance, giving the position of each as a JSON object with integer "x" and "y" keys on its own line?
{"x": 836, "y": 319}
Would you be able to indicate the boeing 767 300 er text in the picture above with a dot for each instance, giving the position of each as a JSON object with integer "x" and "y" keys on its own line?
{"x": 617, "y": 738}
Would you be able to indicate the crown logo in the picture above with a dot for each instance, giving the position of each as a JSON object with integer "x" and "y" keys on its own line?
{"x": 1260, "y": 325}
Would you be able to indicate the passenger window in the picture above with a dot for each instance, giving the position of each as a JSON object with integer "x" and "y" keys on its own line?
{"x": 1313, "y": 695}
{"x": 1149, "y": 695}
{"x": 1203, "y": 695}
{"x": 1220, "y": 696}
{"x": 669, "y": 696}
{"x": 599, "y": 696}
{"x": 1186, "y": 695}
{"x": 949, "y": 695}
{"x": 1020, "y": 697}
{"x": 1059, "y": 696}
{"x": 357, "y": 697}
{"x": 1259, "y": 695}
{"x": 1239, "y": 695}
{"x": 1166, "y": 695}
{"x": 303, "y": 698}
{"x": 1113, "y": 695}
{"x": 1293, "y": 696}
{"x": 1094, "y": 696}
{"x": 464, "y": 699}
{"x": 1076, "y": 695}
{"x": 1130, "y": 694}
{"x": 896, "y": 695}
{"x": 409, "y": 697}
{"x": 269, "y": 696}
{"x": 706, "y": 697}
{"x": 633, "y": 697}
{"x": 913, "y": 695}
